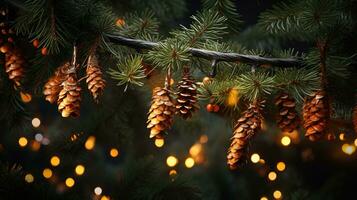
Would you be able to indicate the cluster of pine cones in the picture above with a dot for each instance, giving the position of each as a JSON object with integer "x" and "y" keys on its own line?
{"x": 315, "y": 118}
{"x": 63, "y": 87}
{"x": 14, "y": 59}
{"x": 163, "y": 107}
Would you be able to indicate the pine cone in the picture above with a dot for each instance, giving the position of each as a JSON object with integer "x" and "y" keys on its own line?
{"x": 187, "y": 96}
{"x": 354, "y": 116}
{"x": 316, "y": 114}
{"x": 288, "y": 119}
{"x": 69, "y": 97}
{"x": 245, "y": 128}
{"x": 54, "y": 85}
{"x": 95, "y": 80}
{"x": 14, "y": 65}
{"x": 161, "y": 112}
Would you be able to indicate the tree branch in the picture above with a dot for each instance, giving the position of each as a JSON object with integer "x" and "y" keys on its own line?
{"x": 210, "y": 55}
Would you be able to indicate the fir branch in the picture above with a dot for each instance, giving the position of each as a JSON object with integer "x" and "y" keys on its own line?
{"x": 255, "y": 85}
{"x": 129, "y": 71}
{"x": 207, "y": 25}
{"x": 226, "y": 8}
{"x": 299, "y": 83}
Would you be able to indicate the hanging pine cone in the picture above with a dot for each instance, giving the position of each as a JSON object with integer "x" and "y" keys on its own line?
{"x": 95, "y": 80}
{"x": 187, "y": 96}
{"x": 354, "y": 118}
{"x": 54, "y": 85}
{"x": 14, "y": 65}
{"x": 316, "y": 114}
{"x": 161, "y": 112}
{"x": 69, "y": 97}
{"x": 288, "y": 119}
{"x": 245, "y": 128}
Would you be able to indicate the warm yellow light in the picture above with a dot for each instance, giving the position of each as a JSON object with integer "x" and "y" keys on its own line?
{"x": 29, "y": 178}
{"x": 189, "y": 162}
{"x": 114, "y": 152}
{"x": 285, "y": 140}
{"x": 159, "y": 142}
{"x": 255, "y": 158}
{"x": 195, "y": 149}
{"x": 55, "y": 161}
{"x": 355, "y": 142}
{"x": 47, "y": 173}
{"x": 280, "y": 166}
{"x": 342, "y": 136}
{"x": 263, "y": 198}
{"x": 171, "y": 161}
{"x": 172, "y": 172}
{"x": 35, "y": 146}
{"x": 233, "y": 97}
{"x": 277, "y": 194}
{"x": 36, "y": 122}
{"x": 69, "y": 182}
{"x": 348, "y": 149}
{"x": 23, "y": 141}
{"x": 98, "y": 190}
{"x": 203, "y": 139}
{"x": 25, "y": 97}
{"x": 262, "y": 161}
{"x": 79, "y": 170}
{"x": 90, "y": 143}
{"x": 105, "y": 198}
{"x": 272, "y": 176}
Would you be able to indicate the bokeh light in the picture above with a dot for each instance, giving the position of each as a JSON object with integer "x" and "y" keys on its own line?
{"x": 189, "y": 162}
{"x": 98, "y": 190}
{"x": 36, "y": 122}
{"x": 277, "y": 194}
{"x": 69, "y": 182}
{"x": 47, "y": 173}
{"x": 280, "y": 166}
{"x": 23, "y": 141}
{"x": 348, "y": 149}
{"x": 114, "y": 152}
{"x": 255, "y": 158}
{"x": 29, "y": 178}
{"x": 55, "y": 161}
{"x": 79, "y": 170}
{"x": 272, "y": 176}
{"x": 159, "y": 142}
{"x": 90, "y": 143}
{"x": 285, "y": 141}
{"x": 171, "y": 161}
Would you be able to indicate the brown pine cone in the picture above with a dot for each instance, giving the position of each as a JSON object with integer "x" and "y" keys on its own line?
{"x": 14, "y": 65}
{"x": 54, "y": 85}
{"x": 316, "y": 115}
{"x": 187, "y": 96}
{"x": 69, "y": 97}
{"x": 161, "y": 112}
{"x": 245, "y": 128}
{"x": 288, "y": 119}
{"x": 95, "y": 80}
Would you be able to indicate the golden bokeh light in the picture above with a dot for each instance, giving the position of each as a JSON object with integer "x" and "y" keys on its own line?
{"x": 172, "y": 172}
{"x": 203, "y": 139}
{"x": 195, "y": 149}
{"x": 348, "y": 149}
{"x": 22, "y": 141}
{"x": 171, "y": 161}
{"x": 277, "y": 194}
{"x": 29, "y": 178}
{"x": 285, "y": 141}
{"x": 47, "y": 173}
{"x": 272, "y": 176}
{"x": 355, "y": 142}
{"x": 233, "y": 97}
{"x": 263, "y": 198}
{"x": 55, "y": 161}
{"x": 255, "y": 158}
{"x": 79, "y": 170}
{"x": 25, "y": 97}
{"x": 36, "y": 122}
{"x": 114, "y": 152}
{"x": 98, "y": 190}
{"x": 189, "y": 162}
{"x": 90, "y": 143}
{"x": 159, "y": 142}
{"x": 280, "y": 166}
{"x": 105, "y": 198}
{"x": 341, "y": 136}
{"x": 35, "y": 146}
{"x": 69, "y": 182}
